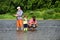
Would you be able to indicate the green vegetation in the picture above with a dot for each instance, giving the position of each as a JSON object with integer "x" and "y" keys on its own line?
{"x": 39, "y": 13}
{"x": 45, "y": 14}
{"x": 42, "y": 9}
{"x": 7, "y": 16}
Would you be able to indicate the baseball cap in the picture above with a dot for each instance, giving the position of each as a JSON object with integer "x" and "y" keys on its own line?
{"x": 18, "y": 7}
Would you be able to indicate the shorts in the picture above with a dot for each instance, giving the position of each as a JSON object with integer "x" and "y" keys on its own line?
{"x": 19, "y": 23}
{"x": 33, "y": 26}
{"x": 25, "y": 25}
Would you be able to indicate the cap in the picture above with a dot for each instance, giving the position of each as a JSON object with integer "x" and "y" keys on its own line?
{"x": 18, "y": 7}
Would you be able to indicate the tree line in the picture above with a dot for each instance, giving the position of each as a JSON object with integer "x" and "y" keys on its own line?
{"x": 10, "y": 5}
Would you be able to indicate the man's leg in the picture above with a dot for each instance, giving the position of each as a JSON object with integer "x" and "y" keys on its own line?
{"x": 21, "y": 24}
{"x": 17, "y": 24}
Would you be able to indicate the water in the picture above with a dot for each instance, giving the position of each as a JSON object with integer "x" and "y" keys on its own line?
{"x": 43, "y": 31}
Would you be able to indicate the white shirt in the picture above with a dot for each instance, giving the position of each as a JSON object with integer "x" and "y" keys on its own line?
{"x": 25, "y": 21}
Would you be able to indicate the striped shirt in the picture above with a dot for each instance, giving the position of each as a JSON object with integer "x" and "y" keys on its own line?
{"x": 19, "y": 13}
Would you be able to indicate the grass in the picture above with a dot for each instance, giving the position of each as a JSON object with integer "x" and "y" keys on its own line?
{"x": 7, "y": 16}
{"x": 41, "y": 14}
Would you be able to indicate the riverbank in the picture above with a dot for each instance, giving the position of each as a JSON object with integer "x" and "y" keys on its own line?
{"x": 41, "y": 14}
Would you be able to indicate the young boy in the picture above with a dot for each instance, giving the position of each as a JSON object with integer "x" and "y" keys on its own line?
{"x": 33, "y": 23}
{"x": 25, "y": 23}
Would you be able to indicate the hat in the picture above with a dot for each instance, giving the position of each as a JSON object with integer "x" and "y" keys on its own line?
{"x": 18, "y": 7}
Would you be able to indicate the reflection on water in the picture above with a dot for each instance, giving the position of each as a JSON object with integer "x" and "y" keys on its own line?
{"x": 21, "y": 35}
{"x": 46, "y": 30}
{"x": 44, "y": 33}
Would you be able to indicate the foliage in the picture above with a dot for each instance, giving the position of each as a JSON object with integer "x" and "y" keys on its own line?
{"x": 38, "y": 8}
{"x": 10, "y": 5}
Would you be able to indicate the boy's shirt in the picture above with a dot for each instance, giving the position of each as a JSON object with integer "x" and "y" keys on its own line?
{"x": 19, "y": 13}
{"x": 25, "y": 21}
{"x": 31, "y": 21}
